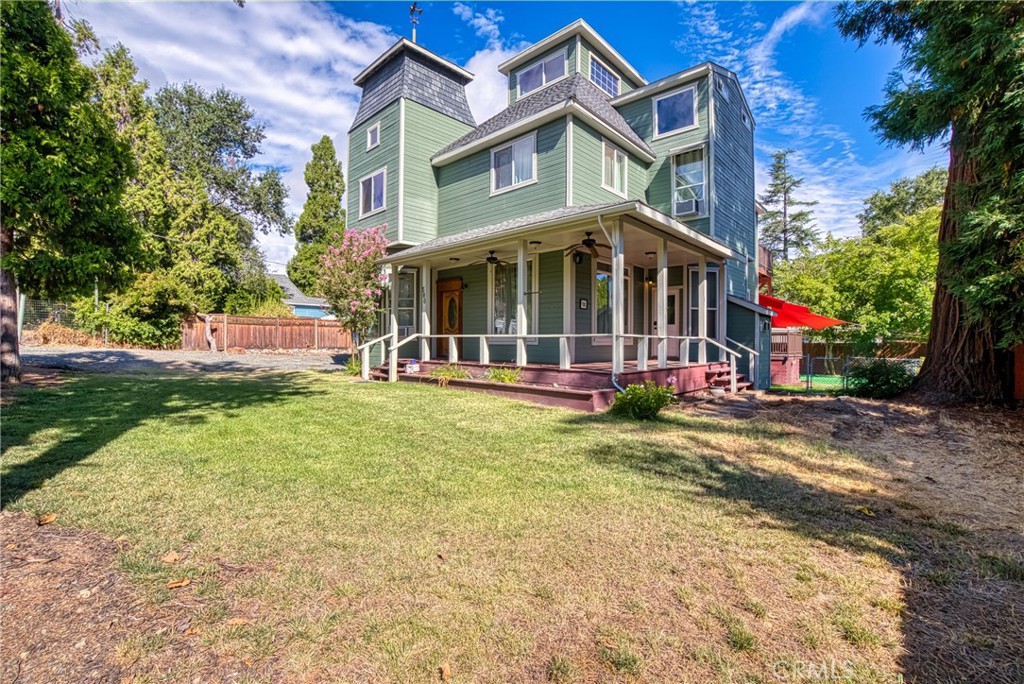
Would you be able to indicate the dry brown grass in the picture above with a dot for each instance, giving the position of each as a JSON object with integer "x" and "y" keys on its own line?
{"x": 50, "y": 333}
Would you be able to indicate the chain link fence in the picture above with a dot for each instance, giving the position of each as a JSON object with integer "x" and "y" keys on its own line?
{"x": 832, "y": 373}
{"x": 44, "y": 321}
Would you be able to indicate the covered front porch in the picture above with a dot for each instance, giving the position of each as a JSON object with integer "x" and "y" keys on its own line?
{"x": 614, "y": 289}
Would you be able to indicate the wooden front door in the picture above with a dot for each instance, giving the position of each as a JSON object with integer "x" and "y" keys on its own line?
{"x": 449, "y": 313}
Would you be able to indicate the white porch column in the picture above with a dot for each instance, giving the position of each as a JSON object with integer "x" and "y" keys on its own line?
{"x": 702, "y": 309}
{"x": 618, "y": 298}
{"x": 425, "y": 308}
{"x": 522, "y": 286}
{"x": 392, "y": 347}
{"x": 722, "y": 285}
{"x": 662, "y": 314}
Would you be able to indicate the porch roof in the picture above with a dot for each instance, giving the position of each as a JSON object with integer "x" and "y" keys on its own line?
{"x": 526, "y": 225}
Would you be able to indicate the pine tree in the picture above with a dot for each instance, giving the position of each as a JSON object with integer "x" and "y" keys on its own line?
{"x": 962, "y": 80}
{"x": 322, "y": 214}
{"x": 785, "y": 226}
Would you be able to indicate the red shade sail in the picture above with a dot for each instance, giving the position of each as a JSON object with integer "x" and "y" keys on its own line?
{"x": 789, "y": 315}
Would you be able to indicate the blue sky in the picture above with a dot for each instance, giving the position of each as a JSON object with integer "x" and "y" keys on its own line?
{"x": 294, "y": 62}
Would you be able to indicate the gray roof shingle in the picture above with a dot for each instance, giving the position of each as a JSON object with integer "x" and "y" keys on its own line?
{"x": 498, "y": 228}
{"x": 293, "y": 295}
{"x": 576, "y": 87}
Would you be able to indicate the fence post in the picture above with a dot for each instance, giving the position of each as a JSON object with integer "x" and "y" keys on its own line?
{"x": 225, "y": 333}
{"x": 316, "y": 333}
{"x": 277, "y": 333}
{"x": 809, "y": 370}
{"x": 21, "y": 314}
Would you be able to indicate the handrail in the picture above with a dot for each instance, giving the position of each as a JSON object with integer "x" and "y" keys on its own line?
{"x": 731, "y": 352}
{"x": 742, "y": 346}
{"x": 364, "y": 355}
{"x": 372, "y": 342}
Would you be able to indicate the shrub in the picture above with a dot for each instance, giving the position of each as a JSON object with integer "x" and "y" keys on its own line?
{"x": 642, "y": 402}
{"x": 506, "y": 374}
{"x": 353, "y": 366}
{"x": 449, "y": 371}
{"x": 879, "y": 378}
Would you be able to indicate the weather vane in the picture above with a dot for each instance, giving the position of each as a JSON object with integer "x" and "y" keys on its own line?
{"x": 414, "y": 17}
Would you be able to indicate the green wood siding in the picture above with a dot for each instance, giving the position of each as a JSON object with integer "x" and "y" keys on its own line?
{"x": 363, "y": 162}
{"x": 733, "y": 160}
{"x": 426, "y": 132}
{"x": 474, "y": 305}
{"x": 744, "y": 326}
{"x": 587, "y": 151}
{"x": 640, "y": 116}
{"x": 464, "y": 195}
{"x": 569, "y": 45}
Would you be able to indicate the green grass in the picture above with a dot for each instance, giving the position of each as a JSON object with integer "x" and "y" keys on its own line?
{"x": 388, "y": 528}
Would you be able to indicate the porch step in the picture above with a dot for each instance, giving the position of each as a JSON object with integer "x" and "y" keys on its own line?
{"x": 720, "y": 377}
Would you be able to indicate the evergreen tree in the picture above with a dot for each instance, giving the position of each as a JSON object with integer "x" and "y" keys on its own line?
{"x": 962, "y": 79}
{"x": 784, "y": 225}
{"x": 904, "y": 197}
{"x": 304, "y": 267}
{"x": 62, "y": 224}
{"x": 323, "y": 214}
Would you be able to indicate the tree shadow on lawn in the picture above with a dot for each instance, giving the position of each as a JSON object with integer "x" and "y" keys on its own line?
{"x": 963, "y": 590}
{"x": 93, "y": 411}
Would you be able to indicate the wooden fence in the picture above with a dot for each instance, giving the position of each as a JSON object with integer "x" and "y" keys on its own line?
{"x": 249, "y": 332}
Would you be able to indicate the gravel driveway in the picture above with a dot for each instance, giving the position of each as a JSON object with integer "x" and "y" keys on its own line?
{"x": 96, "y": 360}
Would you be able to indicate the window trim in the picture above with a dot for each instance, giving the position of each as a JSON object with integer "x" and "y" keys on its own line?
{"x": 676, "y": 131}
{"x": 384, "y": 193}
{"x": 692, "y": 269}
{"x": 601, "y": 341}
{"x": 534, "y": 288}
{"x": 374, "y": 127}
{"x": 590, "y": 76}
{"x": 702, "y": 147}
{"x": 624, "y": 193}
{"x": 521, "y": 184}
{"x": 564, "y": 52}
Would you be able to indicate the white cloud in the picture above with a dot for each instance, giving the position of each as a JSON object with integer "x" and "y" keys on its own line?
{"x": 488, "y": 93}
{"x": 835, "y": 173}
{"x": 293, "y": 62}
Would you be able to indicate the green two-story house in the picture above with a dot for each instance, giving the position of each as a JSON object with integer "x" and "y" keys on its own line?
{"x": 598, "y": 221}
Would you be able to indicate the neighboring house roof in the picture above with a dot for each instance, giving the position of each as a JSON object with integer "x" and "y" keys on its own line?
{"x": 293, "y": 295}
{"x": 575, "y": 93}
{"x": 583, "y": 29}
{"x": 410, "y": 71}
{"x": 558, "y": 216}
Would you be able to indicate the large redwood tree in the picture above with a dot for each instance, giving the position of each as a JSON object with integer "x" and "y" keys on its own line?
{"x": 961, "y": 80}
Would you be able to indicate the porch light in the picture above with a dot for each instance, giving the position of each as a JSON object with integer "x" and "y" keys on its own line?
{"x": 453, "y": 259}
{"x": 535, "y": 243}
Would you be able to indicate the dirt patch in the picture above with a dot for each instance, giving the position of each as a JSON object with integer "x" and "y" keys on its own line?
{"x": 70, "y": 615}
{"x": 30, "y": 377}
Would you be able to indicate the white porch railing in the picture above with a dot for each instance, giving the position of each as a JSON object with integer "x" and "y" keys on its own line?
{"x": 752, "y": 360}
{"x": 364, "y": 354}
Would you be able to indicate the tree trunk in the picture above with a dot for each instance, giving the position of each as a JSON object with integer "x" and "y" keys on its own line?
{"x": 208, "y": 331}
{"x": 10, "y": 355}
{"x": 962, "y": 363}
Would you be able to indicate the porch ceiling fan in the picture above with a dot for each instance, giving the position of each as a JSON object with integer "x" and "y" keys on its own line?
{"x": 491, "y": 259}
{"x": 588, "y": 243}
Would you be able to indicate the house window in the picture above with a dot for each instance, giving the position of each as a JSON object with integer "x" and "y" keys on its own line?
{"x": 712, "y": 288}
{"x": 746, "y": 121}
{"x": 406, "y": 293}
{"x": 688, "y": 183}
{"x": 603, "y": 77}
{"x": 371, "y": 193}
{"x": 676, "y": 111}
{"x": 514, "y": 164}
{"x": 613, "y": 169}
{"x": 505, "y": 301}
{"x": 723, "y": 88}
{"x": 603, "y": 297}
{"x": 542, "y": 73}
{"x": 373, "y": 136}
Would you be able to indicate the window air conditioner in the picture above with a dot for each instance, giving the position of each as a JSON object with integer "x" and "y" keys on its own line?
{"x": 689, "y": 206}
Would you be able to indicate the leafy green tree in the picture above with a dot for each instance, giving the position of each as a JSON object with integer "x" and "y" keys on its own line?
{"x": 784, "y": 225}
{"x": 212, "y": 136}
{"x": 351, "y": 280}
{"x": 961, "y": 78}
{"x": 63, "y": 227}
{"x": 304, "y": 267}
{"x": 904, "y": 197}
{"x": 322, "y": 214}
{"x": 884, "y": 282}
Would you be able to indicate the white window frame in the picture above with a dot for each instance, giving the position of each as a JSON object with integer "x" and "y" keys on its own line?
{"x": 618, "y": 79}
{"x": 594, "y": 270}
{"x": 533, "y": 268}
{"x": 625, "y": 169}
{"x": 702, "y": 148}
{"x": 371, "y": 129}
{"x": 722, "y": 86}
{"x": 564, "y": 53}
{"x": 521, "y": 184}
{"x": 674, "y": 131}
{"x": 690, "y": 271}
{"x": 384, "y": 193}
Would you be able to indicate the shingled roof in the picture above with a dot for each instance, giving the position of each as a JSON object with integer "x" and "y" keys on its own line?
{"x": 576, "y": 88}
{"x": 293, "y": 295}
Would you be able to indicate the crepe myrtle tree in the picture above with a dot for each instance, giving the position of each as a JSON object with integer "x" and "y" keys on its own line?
{"x": 351, "y": 279}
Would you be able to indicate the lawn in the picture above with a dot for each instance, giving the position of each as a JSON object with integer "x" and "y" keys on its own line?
{"x": 342, "y": 531}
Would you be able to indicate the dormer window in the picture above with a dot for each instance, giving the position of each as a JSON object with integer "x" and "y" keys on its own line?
{"x": 676, "y": 111}
{"x": 603, "y": 77}
{"x": 373, "y": 136}
{"x": 541, "y": 73}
